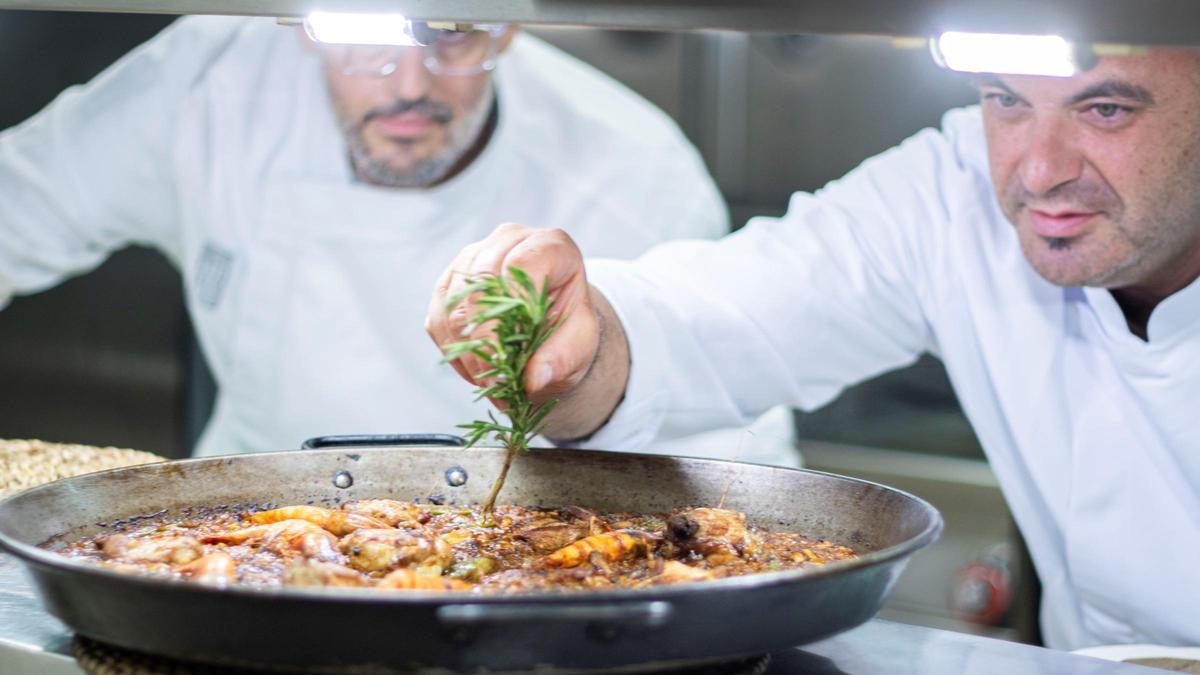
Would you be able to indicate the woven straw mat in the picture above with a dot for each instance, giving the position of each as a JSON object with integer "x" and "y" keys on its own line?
{"x": 24, "y": 464}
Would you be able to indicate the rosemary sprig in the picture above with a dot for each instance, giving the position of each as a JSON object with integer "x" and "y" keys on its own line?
{"x": 521, "y": 316}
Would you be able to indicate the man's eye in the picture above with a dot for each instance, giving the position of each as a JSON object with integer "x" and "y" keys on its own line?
{"x": 1109, "y": 115}
{"x": 1003, "y": 100}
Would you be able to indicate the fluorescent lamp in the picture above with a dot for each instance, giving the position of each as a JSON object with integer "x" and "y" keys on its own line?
{"x": 359, "y": 29}
{"x": 1048, "y": 55}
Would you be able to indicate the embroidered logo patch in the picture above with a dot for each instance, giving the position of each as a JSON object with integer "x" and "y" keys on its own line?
{"x": 212, "y": 274}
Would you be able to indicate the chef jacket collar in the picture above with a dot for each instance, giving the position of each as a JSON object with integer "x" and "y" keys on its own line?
{"x": 1176, "y": 318}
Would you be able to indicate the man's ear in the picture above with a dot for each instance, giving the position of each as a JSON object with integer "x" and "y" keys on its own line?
{"x": 507, "y": 38}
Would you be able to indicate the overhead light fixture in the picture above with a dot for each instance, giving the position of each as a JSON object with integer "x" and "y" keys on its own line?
{"x": 360, "y": 29}
{"x": 1048, "y": 55}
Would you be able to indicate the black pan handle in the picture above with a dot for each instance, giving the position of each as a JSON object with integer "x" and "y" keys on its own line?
{"x": 374, "y": 440}
{"x": 642, "y": 615}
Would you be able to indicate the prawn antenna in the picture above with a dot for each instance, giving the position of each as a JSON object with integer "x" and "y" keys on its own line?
{"x": 737, "y": 452}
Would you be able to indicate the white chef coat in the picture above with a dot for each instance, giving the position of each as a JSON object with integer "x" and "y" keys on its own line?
{"x": 216, "y": 143}
{"x": 1090, "y": 431}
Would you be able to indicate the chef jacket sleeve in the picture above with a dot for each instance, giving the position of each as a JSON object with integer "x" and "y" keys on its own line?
{"x": 787, "y": 310}
{"x": 681, "y": 197}
{"x": 638, "y": 198}
{"x": 92, "y": 172}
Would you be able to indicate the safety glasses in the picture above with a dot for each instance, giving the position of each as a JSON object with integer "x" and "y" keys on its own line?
{"x": 447, "y": 49}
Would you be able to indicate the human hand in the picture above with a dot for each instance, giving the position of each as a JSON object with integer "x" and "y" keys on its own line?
{"x": 547, "y": 256}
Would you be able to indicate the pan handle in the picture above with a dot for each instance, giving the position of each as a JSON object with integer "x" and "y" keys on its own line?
{"x": 371, "y": 440}
{"x": 641, "y": 615}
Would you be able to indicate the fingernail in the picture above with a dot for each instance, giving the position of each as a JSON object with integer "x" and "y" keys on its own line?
{"x": 542, "y": 375}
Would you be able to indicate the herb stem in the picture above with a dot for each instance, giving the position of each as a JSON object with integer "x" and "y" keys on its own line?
{"x": 519, "y": 314}
{"x": 490, "y": 505}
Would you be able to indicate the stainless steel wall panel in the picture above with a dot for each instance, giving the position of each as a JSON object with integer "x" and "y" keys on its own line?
{"x": 817, "y": 106}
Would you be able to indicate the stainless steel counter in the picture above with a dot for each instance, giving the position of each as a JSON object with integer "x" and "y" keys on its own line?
{"x": 33, "y": 641}
{"x": 30, "y": 639}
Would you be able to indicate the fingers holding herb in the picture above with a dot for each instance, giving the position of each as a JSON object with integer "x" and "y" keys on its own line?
{"x": 508, "y": 316}
{"x": 511, "y": 320}
{"x": 444, "y": 326}
{"x": 544, "y": 255}
{"x": 448, "y": 323}
{"x": 584, "y": 362}
{"x": 565, "y": 357}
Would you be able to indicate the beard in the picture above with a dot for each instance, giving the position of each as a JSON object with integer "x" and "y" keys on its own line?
{"x": 461, "y": 135}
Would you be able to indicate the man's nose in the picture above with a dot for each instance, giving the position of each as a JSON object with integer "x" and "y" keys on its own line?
{"x": 411, "y": 80}
{"x": 1051, "y": 157}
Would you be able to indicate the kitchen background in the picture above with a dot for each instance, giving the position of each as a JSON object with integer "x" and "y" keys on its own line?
{"x": 108, "y": 358}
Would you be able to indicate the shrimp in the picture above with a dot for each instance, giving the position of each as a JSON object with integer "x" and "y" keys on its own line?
{"x": 595, "y": 524}
{"x": 546, "y": 534}
{"x": 675, "y": 572}
{"x": 389, "y": 511}
{"x": 318, "y": 546}
{"x": 552, "y": 537}
{"x": 215, "y": 569}
{"x": 285, "y": 536}
{"x": 313, "y": 573}
{"x": 379, "y": 550}
{"x": 612, "y": 547}
{"x": 406, "y": 579}
{"x": 339, "y": 523}
{"x": 712, "y": 532}
{"x": 170, "y": 550}
{"x": 257, "y": 533}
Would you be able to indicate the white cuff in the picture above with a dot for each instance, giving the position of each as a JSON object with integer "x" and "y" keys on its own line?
{"x": 7, "y": 289}
{"x": 637, "y": 419}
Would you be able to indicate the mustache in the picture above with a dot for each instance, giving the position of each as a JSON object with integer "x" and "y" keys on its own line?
{"x": 1077, "y": 195}
{"x": 438, "y": 112}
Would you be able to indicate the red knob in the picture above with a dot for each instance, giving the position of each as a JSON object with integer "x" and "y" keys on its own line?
{"x": 982, "y": 593}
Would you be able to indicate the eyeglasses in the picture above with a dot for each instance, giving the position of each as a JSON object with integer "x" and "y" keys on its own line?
{"x": 446, "y": 51}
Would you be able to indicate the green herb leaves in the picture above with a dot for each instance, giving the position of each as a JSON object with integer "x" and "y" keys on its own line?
{"x": 520, "y": 316}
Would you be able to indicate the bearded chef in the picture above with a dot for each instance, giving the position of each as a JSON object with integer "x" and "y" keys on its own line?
{"x": 1045, "y": 245}
{"x": 309, "y": 194}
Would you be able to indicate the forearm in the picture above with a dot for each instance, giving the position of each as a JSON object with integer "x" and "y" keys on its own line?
{"x": 784, "y": 312}
{"x": 585, "y": 408}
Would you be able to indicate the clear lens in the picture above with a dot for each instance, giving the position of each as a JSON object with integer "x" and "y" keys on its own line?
{"x": 446, "y": 52}
{"x": 361, "y": 59}
{"x": 462, "y": 50}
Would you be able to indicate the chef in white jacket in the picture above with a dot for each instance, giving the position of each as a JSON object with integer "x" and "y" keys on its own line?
{"x": 310, "y": 195}
{"x": 1045, "y": 245}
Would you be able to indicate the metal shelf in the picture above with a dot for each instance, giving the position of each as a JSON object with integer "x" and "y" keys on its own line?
{"x": 1122, "y": 21}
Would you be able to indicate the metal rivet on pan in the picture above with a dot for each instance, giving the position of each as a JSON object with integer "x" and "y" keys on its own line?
{"x": 342, "y": 479}
{"x": 456, "y": 476}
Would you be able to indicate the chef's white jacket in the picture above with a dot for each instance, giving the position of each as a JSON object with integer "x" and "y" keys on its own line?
{"x": 1091, "y": 431}
{"x": 216, "y": 143}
